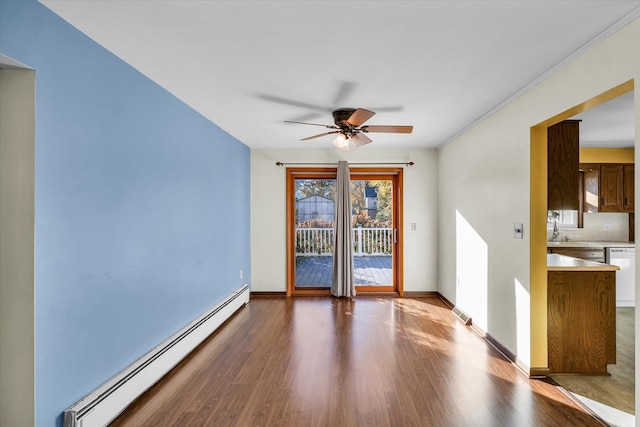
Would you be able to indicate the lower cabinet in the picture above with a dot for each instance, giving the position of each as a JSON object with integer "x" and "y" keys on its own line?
{"x": 581, "y": 321}
{"x": 590, "y": 254}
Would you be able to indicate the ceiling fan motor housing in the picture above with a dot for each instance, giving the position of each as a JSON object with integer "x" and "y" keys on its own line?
{"x": 340, "y": 117}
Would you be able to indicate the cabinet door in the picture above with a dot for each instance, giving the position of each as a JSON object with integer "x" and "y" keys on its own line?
{"x": 563, "y": 165}
{"x": 611, "y": 197}
{"x": 628, "y": 188}
{"x": 589, "y": 254}
{"x": 591, "y": 176}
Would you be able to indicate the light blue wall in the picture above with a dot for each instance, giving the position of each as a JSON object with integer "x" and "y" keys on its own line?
{"x": 142, "y": 209}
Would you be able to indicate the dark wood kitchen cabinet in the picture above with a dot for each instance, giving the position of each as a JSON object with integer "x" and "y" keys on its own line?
{"x": 586, "y": 253}
{"x": 581, "y": 321}
{"x": 608, "y": 187}
{"x": 591, "y": 195}
{"x": 617, "y": 188}
{"x": 563, "y": 158}
{"x": 628, "y": 188}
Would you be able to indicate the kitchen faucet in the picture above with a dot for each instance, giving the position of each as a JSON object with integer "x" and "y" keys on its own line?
{"x": 556, "y": 232}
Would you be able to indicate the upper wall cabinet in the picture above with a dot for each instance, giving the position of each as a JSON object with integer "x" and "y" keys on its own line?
{"x": 608, "y": 187}
{"x": 616, "y": 188}
{"x": 591, "y": 177}
{"x": 611, "y": 179}
{"x": 563, "y": 157}
{"x": 628, "y": 190}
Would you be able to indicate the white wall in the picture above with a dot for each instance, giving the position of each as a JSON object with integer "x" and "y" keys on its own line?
{"x": 484, "y": 177}
{"x": 268, "y": 212}
{"x": 17, "y": 139}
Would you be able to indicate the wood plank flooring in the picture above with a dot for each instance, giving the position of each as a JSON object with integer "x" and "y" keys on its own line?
{"x": 369, "y": 361}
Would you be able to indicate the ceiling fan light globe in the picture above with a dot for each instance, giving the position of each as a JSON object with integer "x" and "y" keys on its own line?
{"x": 341, "y": 142}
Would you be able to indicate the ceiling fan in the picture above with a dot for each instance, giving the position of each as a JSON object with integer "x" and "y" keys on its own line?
{"x": 349, "y": 127}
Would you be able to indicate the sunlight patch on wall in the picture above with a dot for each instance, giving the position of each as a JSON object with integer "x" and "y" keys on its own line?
{"x": 523, "y": 322}
{"x": 472, "y": 277}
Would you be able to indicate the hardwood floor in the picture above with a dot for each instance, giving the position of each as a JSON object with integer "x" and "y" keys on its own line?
{"x": 369, "y": 361}
{"x": 617, "y": 389}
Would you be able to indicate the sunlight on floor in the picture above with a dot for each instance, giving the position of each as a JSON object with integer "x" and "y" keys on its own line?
{"x": 612, "y": 416}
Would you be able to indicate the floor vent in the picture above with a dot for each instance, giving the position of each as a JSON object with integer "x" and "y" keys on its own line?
{"x": 464, "y": 317}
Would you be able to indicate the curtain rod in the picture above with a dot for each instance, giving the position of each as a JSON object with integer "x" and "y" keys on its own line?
{"x": 334, "y": 164}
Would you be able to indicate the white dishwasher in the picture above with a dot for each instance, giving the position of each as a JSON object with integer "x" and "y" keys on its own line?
{"x": 625, "y": 258}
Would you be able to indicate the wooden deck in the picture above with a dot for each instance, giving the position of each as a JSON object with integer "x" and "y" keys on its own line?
{"x": 315, "y": 272}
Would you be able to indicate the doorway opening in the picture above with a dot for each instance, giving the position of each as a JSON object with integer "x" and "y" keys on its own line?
{"x": 538, "y": 261}
{"x": 17, "y": 251}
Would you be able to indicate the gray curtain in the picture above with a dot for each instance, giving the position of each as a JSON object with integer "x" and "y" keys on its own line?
{"x": 342, "y": 282}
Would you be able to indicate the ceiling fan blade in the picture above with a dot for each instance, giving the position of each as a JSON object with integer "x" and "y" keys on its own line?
{"x": 285, "y": 101}
{"x": 360, "y": 139}
{"x": 387, "y": 129}
{"x": 344, "y": 92}
{"x": 360, "y": 116}
{"x": 313, "y": 124}
{"x": 392, "y": 109}
{"x": 308, "y": 116}
{"x": 319, "y": 135}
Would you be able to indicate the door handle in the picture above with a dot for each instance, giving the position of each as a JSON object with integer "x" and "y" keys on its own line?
{"x": 395, "y": 235}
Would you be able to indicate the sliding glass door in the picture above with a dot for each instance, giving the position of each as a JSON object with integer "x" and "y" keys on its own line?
{"x": 375, "y": 223}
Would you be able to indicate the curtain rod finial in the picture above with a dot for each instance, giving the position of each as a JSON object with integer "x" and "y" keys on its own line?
{"x": 410, "y": 163}
{"x": 279, "y": 164}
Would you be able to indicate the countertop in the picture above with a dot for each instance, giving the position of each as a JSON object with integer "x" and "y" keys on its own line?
{"x": 590, "y": 244}
{"x": 557, "y": 262}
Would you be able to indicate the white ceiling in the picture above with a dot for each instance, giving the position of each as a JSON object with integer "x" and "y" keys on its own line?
{"x": 437, "y": 65}
{"x": 610, "y": 124}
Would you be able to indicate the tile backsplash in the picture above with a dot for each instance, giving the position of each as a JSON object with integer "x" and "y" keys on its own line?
{"x": 594, "y": 228}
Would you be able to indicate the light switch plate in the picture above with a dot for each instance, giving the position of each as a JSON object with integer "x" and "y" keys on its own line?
{"x": 517, "y": 231}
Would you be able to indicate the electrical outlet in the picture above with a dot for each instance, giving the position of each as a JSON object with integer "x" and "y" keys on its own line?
{"x": 413, "y": 226}
{"x": 607, "y": 227}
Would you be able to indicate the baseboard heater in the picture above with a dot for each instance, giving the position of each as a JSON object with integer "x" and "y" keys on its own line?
{"x": 105, "y": 403}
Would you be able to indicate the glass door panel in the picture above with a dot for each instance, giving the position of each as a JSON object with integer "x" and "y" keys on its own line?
{"x": 372, "y": 203}
{"x": 313, "y": 230}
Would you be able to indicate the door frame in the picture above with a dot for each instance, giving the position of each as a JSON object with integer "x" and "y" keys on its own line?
{"x": 294, "y": 173}
{"x": 539, "y": 362}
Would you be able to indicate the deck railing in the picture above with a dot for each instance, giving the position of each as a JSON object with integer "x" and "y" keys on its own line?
{"x": 366, "y": 241}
